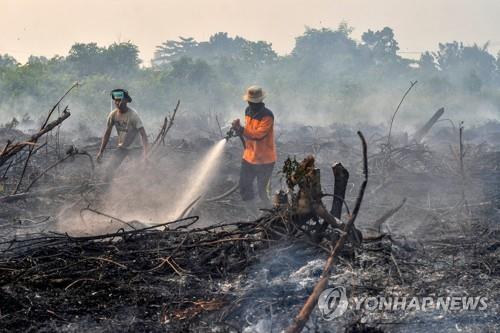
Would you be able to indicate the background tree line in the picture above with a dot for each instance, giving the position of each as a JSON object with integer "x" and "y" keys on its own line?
{"x": 328, "y": 77}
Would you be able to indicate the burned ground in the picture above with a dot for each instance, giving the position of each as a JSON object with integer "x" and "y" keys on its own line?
{"x": 66, "y": 267}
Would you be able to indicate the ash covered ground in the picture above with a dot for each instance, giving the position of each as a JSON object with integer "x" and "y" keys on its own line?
{"x": 64, "y": 266}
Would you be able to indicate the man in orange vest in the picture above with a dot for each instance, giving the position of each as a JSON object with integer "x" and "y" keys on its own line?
{"x": 259, "y": 155}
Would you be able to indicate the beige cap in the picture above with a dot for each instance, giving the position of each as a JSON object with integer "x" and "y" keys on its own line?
{"x": 254, "y": 94}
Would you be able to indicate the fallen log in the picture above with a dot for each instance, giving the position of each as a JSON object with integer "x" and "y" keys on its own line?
{"x": 422, "y": 132}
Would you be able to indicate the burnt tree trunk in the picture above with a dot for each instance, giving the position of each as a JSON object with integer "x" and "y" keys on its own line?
{"x": 341, "y": 178}
{"x": 303, "y": 316}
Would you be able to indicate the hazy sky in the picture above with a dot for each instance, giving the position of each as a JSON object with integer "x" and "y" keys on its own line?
{"x": 49, "y": 27}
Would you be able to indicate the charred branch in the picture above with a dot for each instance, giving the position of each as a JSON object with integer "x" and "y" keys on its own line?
{"x": 13, "y": 149}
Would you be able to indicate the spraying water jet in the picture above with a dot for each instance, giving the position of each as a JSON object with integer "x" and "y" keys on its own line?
{"x": 204, "y": 173}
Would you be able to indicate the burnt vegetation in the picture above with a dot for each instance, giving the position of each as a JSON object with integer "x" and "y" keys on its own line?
{"x": 381, "y": 210}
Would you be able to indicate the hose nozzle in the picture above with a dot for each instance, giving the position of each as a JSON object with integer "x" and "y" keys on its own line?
{"x": 230, "y": 134}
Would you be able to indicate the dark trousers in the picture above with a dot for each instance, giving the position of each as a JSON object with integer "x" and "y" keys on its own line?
{"x": 115, "y": 161}
{"x": 250, "y": 172}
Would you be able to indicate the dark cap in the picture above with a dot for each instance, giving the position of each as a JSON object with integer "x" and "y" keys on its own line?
{"x": 120, "y": 94}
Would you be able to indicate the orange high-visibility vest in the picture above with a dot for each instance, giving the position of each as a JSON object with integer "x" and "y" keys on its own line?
{"x": 259, "y": 136}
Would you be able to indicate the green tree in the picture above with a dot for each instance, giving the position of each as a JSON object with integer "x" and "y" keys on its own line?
{"x": 219, "y": 47}
{"x": 121, "y": 58}
{"x": 192, "y": 72}
{"x": 258, "y": 54}
{"x": 382, "y": 43}
{"x": 115, "y": 60}
{"x": 86, "y": 59}
{"x": 174, "y": 50}
{"x": 323, "y": 44}
{"x": 7, "y": 61}
{"x": 468, "y": 66}
{"x": 427, "y": 62}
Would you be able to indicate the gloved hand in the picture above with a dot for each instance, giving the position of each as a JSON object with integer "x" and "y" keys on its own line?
{"x": 235, "y": 124}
